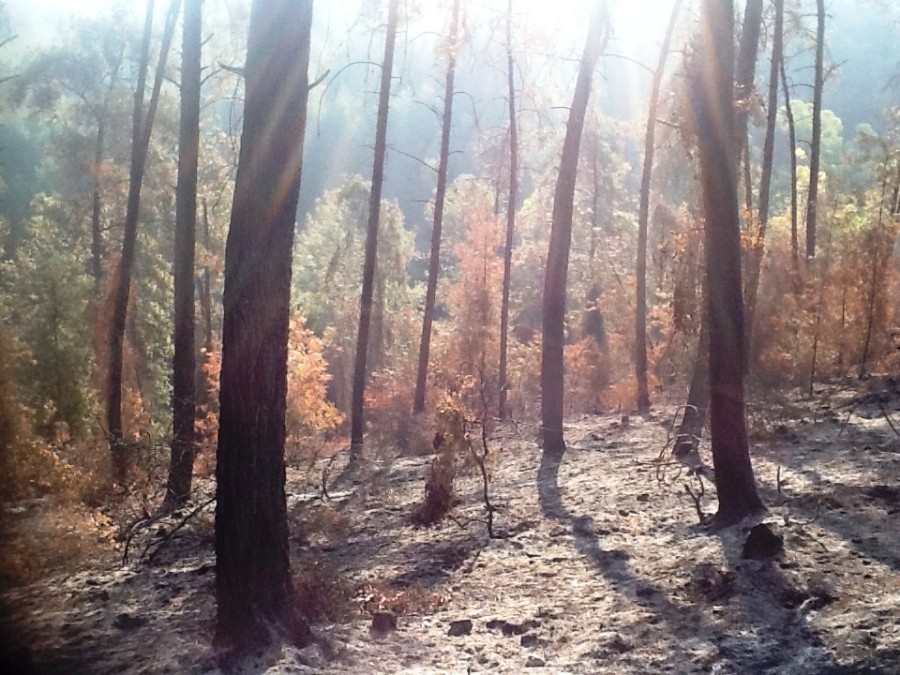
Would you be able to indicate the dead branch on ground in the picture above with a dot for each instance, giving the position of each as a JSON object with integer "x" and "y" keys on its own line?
{"x": 888, "y": 418}
{"x": 171, "y": 533}
{"x": 696, "y": 498}
{"x": 137, "y": 526}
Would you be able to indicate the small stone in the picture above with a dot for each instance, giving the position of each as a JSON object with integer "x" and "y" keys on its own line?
{"x": 529, "y": 641}
{"x": 384, "y": 622}
{"x": 535, "y": 662}
{"x": 619, "y": 645}
{"x": 126, "y": 621}
{"x": 461, "y": 627}
{"x": 509, "y": 629}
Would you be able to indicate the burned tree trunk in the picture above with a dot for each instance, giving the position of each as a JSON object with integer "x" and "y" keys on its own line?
{"x": 253, "y": 582}
{"x": 510, "y": 214}
{"x": 360, "y": 370}
{"x": 792, "y": 140}
{"x": 765, "y": 181}
{"x": 554, "y": 299}
{"x": 815, "y": 151}
{"x": 640, "y": 323}
{"x": 184, "y": 394}
{"x": 434, "y": 260}
{"x": 141, "y": 128}
{"x": 713, "y": 116}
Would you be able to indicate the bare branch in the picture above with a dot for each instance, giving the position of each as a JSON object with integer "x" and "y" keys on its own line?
{"x": 411, "y": 156}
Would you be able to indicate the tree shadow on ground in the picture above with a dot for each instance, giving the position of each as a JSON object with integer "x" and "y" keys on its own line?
{"x": 856, "y": 513}
{"x": 740, "y": 649}
{"x": 763, "y": 585}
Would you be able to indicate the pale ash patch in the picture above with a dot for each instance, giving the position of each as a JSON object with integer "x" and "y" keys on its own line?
{"x": 603, "y": 569}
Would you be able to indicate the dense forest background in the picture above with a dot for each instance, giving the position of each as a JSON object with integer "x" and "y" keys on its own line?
{"x": 68, "y": 85}
{"x": 82, "y": 89}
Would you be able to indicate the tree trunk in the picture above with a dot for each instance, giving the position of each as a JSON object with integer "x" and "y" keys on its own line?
{"x": 882, "y": 250}
{"x": 640, "y": 324}
{"x": 690, "y": 431}
{"x": 812, "y": 202}
{"x": 765, "y": 181}
{"x": 745, "y": 73}
{"x": 713, "y": 111}
{"x": 513, "y": 198}
{"x": 814, "y": 360}
{"x": 357, "y": 423}
{"x": 792, "y": 139}
{"x": 184, "y": 393}
{"x": 554, "y": 299}
{"x": 377, "y": 330}
{"x": 435, "y": 259}
{"x": 204, "y": 291}
{"x": 253, "y": 583}
{"x": 140, "y": 141}
{"x": 97, "y": 252}
{"x": 595, "y": 207}
{"x": 96, "y": 232}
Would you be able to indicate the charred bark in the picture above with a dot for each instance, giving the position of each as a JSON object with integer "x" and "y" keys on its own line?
{"x": 142, "y": 127}
{"x": 253, "y": 582}
{"x": 554, "y": 297}
{"x": 434, "y": 260}
{"x": 184, "y": 394}
{"x": 511, "y": 203}
{"x": 713, "y": 116}
{"x": 640, "y": 323}
{"x": 360, "y": 370}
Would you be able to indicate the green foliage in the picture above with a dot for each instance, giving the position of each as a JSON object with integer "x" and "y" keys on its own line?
{"x": 327, "y": 280}
{"x": 44, "y": 294}
{"x": 832, "y": 132}
{"x": 32, "y": 466}
{"x": 20, "y": 176}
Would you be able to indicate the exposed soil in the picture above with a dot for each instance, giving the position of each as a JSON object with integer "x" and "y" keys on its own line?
{"x": 601, "y": 565}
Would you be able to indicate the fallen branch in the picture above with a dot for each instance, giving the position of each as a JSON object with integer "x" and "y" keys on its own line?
{"x": 849, "y": 415}
{"x": 815, "y": 515}
{"x": 697, "y": 499}
{"x": 888, "y": 418}
{"x": 162, "y": 542}
{"x": 137, "y": 526}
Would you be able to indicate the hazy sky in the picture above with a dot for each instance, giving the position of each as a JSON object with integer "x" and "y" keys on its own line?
{"x": 633, "y": 20}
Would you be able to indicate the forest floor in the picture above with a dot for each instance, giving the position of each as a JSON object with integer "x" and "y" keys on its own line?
{"x": 601, "y": 565}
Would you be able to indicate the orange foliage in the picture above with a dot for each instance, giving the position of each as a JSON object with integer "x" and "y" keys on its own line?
{"x": 817, "y": 326}
{"x": 472, "y": 346}
{"x": 309, "y": 416}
